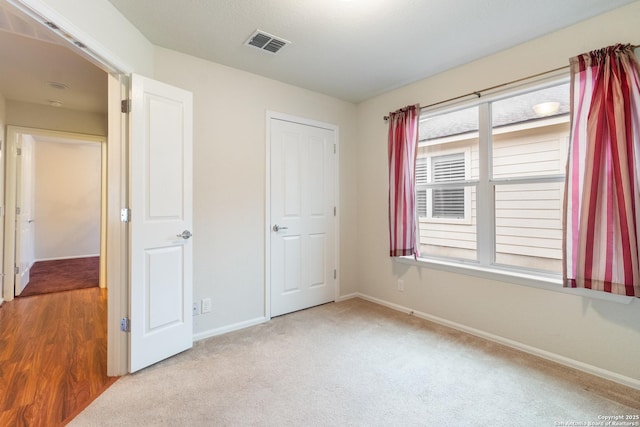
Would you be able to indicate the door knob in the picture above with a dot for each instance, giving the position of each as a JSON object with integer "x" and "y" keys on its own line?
{"x": 277, "y": 228}
{"x": 185, "y": 234}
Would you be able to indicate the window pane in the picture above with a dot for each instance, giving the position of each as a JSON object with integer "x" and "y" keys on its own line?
{"x": 531, "y": 133}
{"x": 449, "y": 236}
{"x": 529, "y": 225}
{"x": 448, "y": 152}
{"x": 449, "y": 138}
{"x": 455, "y": 123}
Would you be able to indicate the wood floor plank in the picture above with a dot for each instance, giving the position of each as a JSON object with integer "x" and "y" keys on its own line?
{"x": 53, "y": 352}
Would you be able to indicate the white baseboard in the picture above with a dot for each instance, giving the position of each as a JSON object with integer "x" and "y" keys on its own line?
{"x": 590, "y": 369}
{"x": 230, "y": 328}
{"x": 67, "y": 257}
{"x": 348, "y": 296}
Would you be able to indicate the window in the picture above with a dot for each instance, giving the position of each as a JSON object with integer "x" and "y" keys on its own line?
{"x": 490, "y": 180}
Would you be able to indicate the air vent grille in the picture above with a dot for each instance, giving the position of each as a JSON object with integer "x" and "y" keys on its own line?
{"x": 266, "y": 42}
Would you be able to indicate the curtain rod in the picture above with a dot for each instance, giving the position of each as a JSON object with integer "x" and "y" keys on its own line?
{"x": 478, "y": 93}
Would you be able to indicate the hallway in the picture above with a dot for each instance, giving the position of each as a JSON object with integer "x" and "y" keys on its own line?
{"x": 53, "y": 356}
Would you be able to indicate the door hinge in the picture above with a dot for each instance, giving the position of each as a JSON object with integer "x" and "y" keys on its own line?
{"x": 335, "y": 273}
{"x": 16, "y": 269}
{"x": 125, "y": 106}
{"x": 17, "y": 211}
{"x": 334, "y": 148}
{"x": 19, "y": 151}
{"x": 125, "y": 324}
{"x": 125, "y": 215}
{"x": 335, "y": 210}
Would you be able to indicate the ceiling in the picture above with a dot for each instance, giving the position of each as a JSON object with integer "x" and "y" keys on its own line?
{"x": 36, "y": 67}
{"x": 354, "y": 49}
{"x": 351, "y": 50}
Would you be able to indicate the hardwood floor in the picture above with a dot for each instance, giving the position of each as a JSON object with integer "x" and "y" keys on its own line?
{"x": 63, "y": 275}
{"x": 53, "y": 356}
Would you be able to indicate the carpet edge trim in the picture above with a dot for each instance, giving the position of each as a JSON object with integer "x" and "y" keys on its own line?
{"x": 86, "y": 404}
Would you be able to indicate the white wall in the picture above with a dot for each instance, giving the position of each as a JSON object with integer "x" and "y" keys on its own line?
{"x": 66, "y": 199}
{"x": 229, "y": 180}
{"x": 603, "y": 334}
{"x": 51, "y": 118}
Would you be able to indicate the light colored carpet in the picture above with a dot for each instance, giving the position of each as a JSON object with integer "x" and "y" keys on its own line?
{"x": 355, "y": 363}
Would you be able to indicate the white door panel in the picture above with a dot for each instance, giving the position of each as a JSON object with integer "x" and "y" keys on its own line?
{"x": 25, "y": 255}
{"x": 302, "y": 206}
{"x": 161, "y": 209}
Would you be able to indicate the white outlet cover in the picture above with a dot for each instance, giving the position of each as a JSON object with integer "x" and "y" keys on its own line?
{"x": 206, "y": 305}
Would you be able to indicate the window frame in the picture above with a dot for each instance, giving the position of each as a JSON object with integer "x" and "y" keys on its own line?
{"x": 517, "y": 276}
{"x": 485, "y": 185}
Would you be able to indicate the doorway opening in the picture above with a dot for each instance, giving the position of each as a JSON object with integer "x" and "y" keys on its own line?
{"x": 56, "y": 210}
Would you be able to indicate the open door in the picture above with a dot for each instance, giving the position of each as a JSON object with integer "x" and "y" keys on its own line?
{"x": 160, "y": 170}
{"x": 24, "y": 213}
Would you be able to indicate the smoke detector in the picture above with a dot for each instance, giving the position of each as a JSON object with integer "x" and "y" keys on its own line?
{"x": 266, "y": 42}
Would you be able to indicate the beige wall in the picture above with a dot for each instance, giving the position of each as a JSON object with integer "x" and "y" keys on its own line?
{"x": 66, "y": 199}
{"x": 51, "y": 118}
{"x": 603, "y": 334}
{"x": 229, "y": 180}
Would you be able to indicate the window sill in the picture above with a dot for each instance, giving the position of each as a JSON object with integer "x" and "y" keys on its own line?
{"x": 551, "y": 283}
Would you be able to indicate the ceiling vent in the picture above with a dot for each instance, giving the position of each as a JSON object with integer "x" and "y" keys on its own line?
{"x": 266, "y": 42}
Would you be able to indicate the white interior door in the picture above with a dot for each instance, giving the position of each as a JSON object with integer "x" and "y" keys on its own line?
{"x": 302, "y": 253}
{"x": 161, "y": 221}
{"x": 24, "y": 213}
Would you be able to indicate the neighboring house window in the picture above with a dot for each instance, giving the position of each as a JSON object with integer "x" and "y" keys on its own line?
{"x": 446, "y": 202}
{"x": 490, "y": 180}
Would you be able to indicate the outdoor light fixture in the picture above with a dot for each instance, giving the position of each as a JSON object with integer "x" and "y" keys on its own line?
{"x": 546, "y": 108}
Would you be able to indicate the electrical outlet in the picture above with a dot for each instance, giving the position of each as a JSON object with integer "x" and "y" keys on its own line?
{"x": 195, "y": 309}
{"x": 206, "y": 305}
{"x": 400, "y": 285}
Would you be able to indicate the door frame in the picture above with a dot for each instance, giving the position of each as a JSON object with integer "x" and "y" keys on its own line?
{"x": 11, "y": 178}
{"x": 117, "y": 253}
{"x": 273, "y": 115}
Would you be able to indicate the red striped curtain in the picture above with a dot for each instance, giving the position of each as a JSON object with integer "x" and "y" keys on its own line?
{"x": 403, "y": 147}
{"x": 602, "y": 197}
